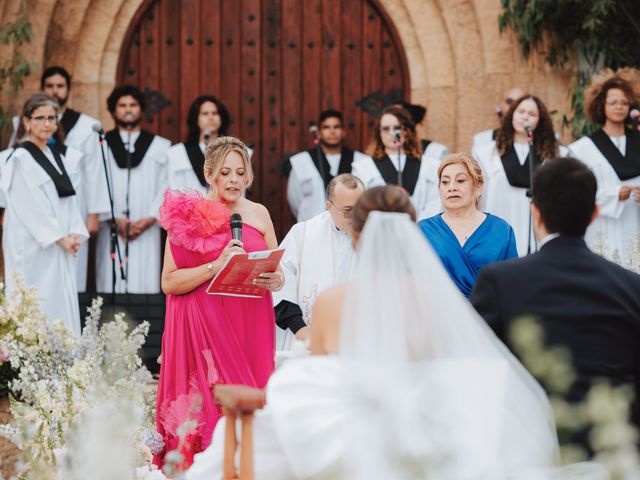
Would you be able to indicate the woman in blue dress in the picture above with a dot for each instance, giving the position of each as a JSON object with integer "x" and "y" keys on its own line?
{"x": 465, "y": 238}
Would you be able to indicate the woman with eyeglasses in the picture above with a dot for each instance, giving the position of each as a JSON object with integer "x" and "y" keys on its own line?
{"x": 613, "y": 154}
{"x": 505, "y": 165}
{"x": 43, "y": 227}
{"x": 395, "y": 158}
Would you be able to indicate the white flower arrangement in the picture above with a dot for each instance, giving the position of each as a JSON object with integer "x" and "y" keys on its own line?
{"x": 80, "y": 406}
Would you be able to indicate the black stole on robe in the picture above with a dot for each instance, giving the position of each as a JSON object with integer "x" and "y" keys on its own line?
{"x": 627, "y": 166}
{"x": 69, "y": 120}
{"x": 410, "y": 172}
{"x": 196, "y": 157}
{"x": 120, "y": 153}
{"x": 346, "y": 159}
{"x": 425, "y": 144}
{"x": 63, "y": 184}
{"x": 518, "y": 175}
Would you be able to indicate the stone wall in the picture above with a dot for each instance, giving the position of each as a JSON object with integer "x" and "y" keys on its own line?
{"x": 459, "y": 63}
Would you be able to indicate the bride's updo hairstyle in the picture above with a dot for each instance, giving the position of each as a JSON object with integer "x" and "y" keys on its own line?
{"x": 389, "y": 198}
{"x": 218, "y": 150}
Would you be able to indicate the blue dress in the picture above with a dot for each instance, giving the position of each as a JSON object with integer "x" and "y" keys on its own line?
{"x": 492, "y": 241}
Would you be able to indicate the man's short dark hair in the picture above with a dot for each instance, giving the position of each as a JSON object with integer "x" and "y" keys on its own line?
{"x": 564, "y": 190}
{"x": 124, "y": 91}
{"x": 330, "y": 114}
{"x": 55, "y": 70}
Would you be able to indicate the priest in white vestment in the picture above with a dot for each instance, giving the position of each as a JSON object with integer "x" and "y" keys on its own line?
{"x": 43, "y": 228}
{"x": 139, "y": 181}
{"x": 613, "y": 154}
{"x": 309, "y": 175}
{"x": 318, "y": 255}
{"x": 418, "y": 172}
{"x": 505, "y": 166}
{"x": 79, "y": 133}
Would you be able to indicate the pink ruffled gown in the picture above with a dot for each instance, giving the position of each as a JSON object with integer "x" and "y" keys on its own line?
{"x": 208, "y": 339}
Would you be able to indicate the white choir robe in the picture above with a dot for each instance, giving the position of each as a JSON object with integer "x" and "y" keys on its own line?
{"x": 35, "y": 219}
{"x": 480, "y": 139}
{"x": 306, "y": 192}
{"x": 180, "y": 171}
{"x": 4, "y": 156}
{"x": 435, "y": 150}
{"x": 426, "y": 195}
{"x": 317, "y": 256}
{"x": 503, "y": 200}
{"x": 93, "y": 196}
{"x": 148, "y": 184}
{"x": 618, "y": 224}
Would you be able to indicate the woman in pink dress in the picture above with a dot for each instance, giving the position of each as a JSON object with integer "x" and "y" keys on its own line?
{"x": 211, "y": 339}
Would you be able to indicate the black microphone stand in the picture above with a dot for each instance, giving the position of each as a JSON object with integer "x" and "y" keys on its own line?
{"x": 128, "y": 210}
{"x": 316, "y": 142}
{"x": 113, "y": 227}
{"x": 398, "y": 141}
{"x": 530, "y": 159}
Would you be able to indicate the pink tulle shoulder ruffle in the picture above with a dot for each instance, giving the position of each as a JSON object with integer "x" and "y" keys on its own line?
{"x": 194, "y": 222}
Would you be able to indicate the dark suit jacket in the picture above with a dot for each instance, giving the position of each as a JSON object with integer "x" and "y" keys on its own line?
{"x": 586, "y": 303}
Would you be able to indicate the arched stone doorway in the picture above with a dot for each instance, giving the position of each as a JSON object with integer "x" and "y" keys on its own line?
{"x": 275, "y": 64}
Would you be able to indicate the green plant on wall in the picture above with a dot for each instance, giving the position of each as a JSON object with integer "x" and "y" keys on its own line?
{"x": 14, "y": 69}
{"x": 596, "y": 33}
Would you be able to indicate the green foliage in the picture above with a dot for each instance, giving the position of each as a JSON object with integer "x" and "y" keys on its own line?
{"x": 15, "y": 69}
{"x": 598, "y": 33}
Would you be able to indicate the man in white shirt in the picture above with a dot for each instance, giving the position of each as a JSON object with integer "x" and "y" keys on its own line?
{"x": 318, "y": 255}
{"x": 309, "y": 175}
{"x": 138, "y": 176}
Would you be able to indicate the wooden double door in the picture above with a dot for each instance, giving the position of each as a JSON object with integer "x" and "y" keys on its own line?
{"x": 275, "y": 64}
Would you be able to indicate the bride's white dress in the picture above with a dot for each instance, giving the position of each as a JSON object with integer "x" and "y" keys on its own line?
{"x": 421, "y": 389}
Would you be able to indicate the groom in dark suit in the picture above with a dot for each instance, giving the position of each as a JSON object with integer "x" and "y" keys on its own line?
{"x": 584, "y": 302}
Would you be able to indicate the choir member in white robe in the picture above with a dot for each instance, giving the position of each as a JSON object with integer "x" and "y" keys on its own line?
{"x": 487, "y": 136}
{"x": 207, "y": 120}
{"x": 318, "y": 255}
{"x": 430, "y": 148}
{"x": 505, "y": 165}
{"x": 79, "y": 133}
{"x": 43, "y": 228}
{"x": 613, "y": 154}
{"x": 137, "y": 195}
{"x": 395, "y": 148}
{"x": 308, "y": 175}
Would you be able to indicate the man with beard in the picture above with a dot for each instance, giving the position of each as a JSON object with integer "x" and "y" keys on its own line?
{"x": 138, "y": 176}
{"x": 78, "y": 133}
{"x": 309, "y": 175}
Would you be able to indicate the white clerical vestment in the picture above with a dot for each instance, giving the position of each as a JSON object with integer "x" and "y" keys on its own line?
{"x": 305, "y": 187}
{"x": 147, "y": 186}
{"x": 617, "y": 226}
{"x": 35, "y": 219}
{"x": 181, "y": 167}
{"x": 425, "y": 196}
{"x": 502, "y": 199}
{"x": 317, "y": 256}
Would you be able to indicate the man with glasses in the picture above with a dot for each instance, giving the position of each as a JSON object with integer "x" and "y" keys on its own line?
{"x": 318, "y": 255}
{"x": 310, "y": 175}
{"x": 78, "y": 132}
{"x": 484, "y": 137}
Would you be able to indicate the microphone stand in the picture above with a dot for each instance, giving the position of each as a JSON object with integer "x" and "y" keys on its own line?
{"x": 127, "y": 211}
{"x": 398, "y": 142}
{"x": 113, "y": 228}
{"x": 316, "y": 142}
{"x": 530, "y": 158}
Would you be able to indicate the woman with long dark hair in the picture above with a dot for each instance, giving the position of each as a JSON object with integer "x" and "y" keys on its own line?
{"x": 505, "y": 164}
{"x": 613, "y": 153}
{"x": 43, "y": 227}
{"x": 207, "y": 120}
{"x": 395, "y": 158}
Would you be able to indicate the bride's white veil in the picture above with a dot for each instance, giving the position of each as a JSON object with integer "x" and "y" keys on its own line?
{"x": 437, "y": 392}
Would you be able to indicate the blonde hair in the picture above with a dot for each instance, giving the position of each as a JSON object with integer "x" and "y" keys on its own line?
{"x": 470, "y": 163}
{"x": 219, "y": 150}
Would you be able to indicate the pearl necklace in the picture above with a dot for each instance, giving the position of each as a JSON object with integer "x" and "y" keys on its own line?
{"x": 466, "y": 233}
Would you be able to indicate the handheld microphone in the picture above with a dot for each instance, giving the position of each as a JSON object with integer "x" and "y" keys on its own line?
{"x": 315, "y": 133}
{"x": 527, "y": 128}
{"x": 207, "y": 135}
{"x": 397, "y": 139}
{"x": 236, "y": 227}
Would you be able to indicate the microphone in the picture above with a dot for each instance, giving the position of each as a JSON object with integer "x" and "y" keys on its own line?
{"x": 634, "y": 115}
{"x": 97, "y": 127}
{"x": 527, "y": 128}
{"x": 236, "y": 227}
{"x": 397, "y": 139}
{"x": 207, "y": 135}
{"x": 315, "y": 133}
